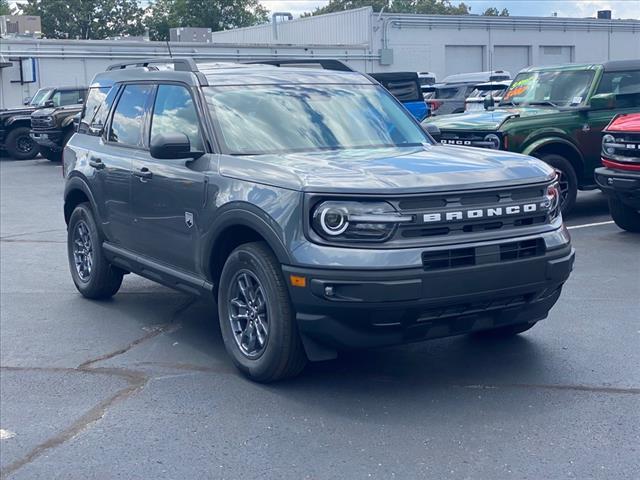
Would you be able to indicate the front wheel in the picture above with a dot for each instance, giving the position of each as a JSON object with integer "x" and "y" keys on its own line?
{"x": 92, "y": 274}
{"x": 567, "y": 179}
{"x": 256, "y": 317}
{"x": 20, "y": 145}
{"x": 625, "y": 217}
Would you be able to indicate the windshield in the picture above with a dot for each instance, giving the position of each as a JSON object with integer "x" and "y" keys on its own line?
{"x": 293, "y": 118}
{"x": 40, "y": 97}
{"x": 553, "y": 88}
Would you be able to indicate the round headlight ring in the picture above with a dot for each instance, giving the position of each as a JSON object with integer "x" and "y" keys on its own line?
{"x": 494, "y": 140}
{"x": 608, "y": 138}
{"x": 334, "y": 221}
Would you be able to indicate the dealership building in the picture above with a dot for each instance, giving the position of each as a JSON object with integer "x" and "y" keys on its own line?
{"x": 367, "y": 41}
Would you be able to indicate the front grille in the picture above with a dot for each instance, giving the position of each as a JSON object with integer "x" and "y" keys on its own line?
{"x": 41, "y": 123}
{"x": 626, "y": 147}
{"x": 481, "y": 211}
{"x": 467, "y": 257}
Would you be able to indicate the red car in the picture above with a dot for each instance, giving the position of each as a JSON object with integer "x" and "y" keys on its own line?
{"x": 619, "y": 178}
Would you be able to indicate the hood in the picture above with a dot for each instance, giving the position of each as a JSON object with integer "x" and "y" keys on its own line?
{"x": 388, "y": 171}
{"x": 486, "y": 120}
{"x": 68, "y": 109}
{"x": 625, "y": 123}
{"x": 24, "y": 110}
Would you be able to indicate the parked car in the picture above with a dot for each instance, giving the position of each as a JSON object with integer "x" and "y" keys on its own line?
{"x": 311, "y": 205}
{"x": 15, "y": 123}
{"x": 619, "y": 177}
{"x": 405, "y": 86}
{"x": 476, "y": 99}
{"x": 51, "y": 129}
{"x": 554, "y": 113}
{"x": 449, "y": 96}
{"x": 426, "y": 79}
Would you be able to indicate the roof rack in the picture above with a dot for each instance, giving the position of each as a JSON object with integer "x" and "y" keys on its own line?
{"x": 179, "y": 64}
{"x": 325, "y": 63}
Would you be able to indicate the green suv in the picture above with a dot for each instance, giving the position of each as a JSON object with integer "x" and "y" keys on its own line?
{"x": 554, "y": 113}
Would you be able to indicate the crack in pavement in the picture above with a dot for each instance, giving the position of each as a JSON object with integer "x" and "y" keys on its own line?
{"x": 579, "y": 388}
{"x": 137, "y": 380}
{"x": 13, "y": 235}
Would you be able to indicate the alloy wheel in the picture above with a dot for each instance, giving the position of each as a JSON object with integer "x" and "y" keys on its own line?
{"x": 82, "y": 251}
{"x": 247, "y": 307}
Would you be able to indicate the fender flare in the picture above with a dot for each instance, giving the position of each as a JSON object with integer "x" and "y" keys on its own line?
{"x": 543, "y": 142}
{"x": 18, "y": 119}
{"x": 246, "y": 215}
{"x": 67, "y": 121}
{"x": 77, "y": 183}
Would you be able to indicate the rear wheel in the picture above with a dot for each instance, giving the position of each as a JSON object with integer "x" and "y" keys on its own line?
{"x": 567, "y": 179}
{"x": 625, "y": 217}
{"x": 92, "y": 274}
{"x": 20, "y": 145}
{"x": 256, "y": 317}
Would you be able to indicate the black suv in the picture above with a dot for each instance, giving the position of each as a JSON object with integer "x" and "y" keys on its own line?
{"x": 15, "y": 123}
{"x": 311, "y": 206}
{"x": 51, "y": 129}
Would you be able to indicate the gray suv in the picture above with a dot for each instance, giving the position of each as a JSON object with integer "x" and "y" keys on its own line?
{"x": 311, "y": 206}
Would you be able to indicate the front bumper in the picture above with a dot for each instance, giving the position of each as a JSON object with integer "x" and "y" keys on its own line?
{"x": 624, "y": 185}
{"x": 48, "y": 138}
{"x": 345, "y": 309}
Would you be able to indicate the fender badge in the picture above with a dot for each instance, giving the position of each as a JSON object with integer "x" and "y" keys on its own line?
{"x": 586, "y": 127}
{"x": 188, "y": 219}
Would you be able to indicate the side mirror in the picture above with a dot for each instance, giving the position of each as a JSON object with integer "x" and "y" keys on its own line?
{"x": 172, "y": 146}
{"x": 49, "y": 103}
{"x": 432, "y": 130}
{"x": 603, "y": 101}
{"x": 26, "y": 100}
{"x": 489, "y": 102}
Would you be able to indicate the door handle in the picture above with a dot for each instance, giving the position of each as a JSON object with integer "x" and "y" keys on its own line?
{"x": 144, "y": 173}
{"x": 96, "y": 163}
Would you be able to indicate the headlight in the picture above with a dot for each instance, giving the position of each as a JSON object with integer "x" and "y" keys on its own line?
{"x": 608, "y": 142}
{"x": 493, "y": 141}
{"x": 553, "y": 200}
{"x": 356, "y": 221}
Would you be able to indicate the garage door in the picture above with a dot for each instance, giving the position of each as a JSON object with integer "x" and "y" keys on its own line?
{"x": 511, "y": 58}
{"x": 463, "y": 58}
{"x": 555, "y": 55}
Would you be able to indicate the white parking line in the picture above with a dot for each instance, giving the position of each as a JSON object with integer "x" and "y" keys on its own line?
{"x": 6, "y": 434}
{"x": 597, "y": 224}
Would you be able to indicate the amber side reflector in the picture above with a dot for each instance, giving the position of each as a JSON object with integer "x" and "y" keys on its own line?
{"x": 297, "y": 281}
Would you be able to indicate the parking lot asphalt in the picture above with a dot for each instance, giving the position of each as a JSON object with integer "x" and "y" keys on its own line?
{"x": 140, "y": 386}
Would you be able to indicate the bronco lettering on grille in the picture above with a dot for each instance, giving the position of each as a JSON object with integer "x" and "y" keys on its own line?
{"x": 472, "y": 214}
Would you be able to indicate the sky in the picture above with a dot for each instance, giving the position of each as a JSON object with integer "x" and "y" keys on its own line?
{"x": 537, "y": 8}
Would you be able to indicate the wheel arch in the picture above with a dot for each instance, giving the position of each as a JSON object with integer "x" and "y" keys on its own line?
{"x": 559, "y": 146}
{"x": 76, "y": 192}
{"x": 234, "y": 227}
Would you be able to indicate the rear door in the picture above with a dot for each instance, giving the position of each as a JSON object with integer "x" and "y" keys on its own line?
{"x": 168, "y": 194}
{"x": 124, "y": 141}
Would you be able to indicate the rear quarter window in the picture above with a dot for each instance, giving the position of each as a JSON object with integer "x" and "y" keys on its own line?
{"x": 96, "y": 109}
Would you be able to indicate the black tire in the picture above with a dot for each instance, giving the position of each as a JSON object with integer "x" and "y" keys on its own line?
{"x": 20, "y": 145}
{"x": 282, "y": 354}
{"x": 103, "y": 280}
{"x": 567, "y": 178}
{"x": 507, "y": 331}
{"x": 51, "y": 155}
{"x": 625, "y": 217}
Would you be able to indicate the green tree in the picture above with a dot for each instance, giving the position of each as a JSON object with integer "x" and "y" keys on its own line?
{"x": 493, "y": 12}
{"x": 162, "y": 15}
{"x": 433, "y": 7}
{"x": 5, "y": 8}
{"x": 95, "y": 19}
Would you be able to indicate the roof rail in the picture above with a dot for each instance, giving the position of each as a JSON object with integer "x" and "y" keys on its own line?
{"x": 325, "y": 63}
{"x": 179, "y": 64}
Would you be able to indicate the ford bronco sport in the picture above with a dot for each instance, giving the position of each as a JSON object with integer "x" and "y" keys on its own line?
{"x": 619, "y": 177}
{"x": 15, "y": 123}
{"x": 556, "y": 114}
{"x": 311, "y": 206}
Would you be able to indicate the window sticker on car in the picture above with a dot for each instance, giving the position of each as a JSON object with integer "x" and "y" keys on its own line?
{"x": 576, "y": 100}
{"x": 518, "y": 88}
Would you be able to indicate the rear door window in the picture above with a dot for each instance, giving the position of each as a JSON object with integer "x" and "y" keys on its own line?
{"x": 96, "y": 109}
{"x": 128, "y": 122}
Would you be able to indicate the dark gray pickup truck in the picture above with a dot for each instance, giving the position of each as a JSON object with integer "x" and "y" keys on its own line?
{"x": 311, "y": 206}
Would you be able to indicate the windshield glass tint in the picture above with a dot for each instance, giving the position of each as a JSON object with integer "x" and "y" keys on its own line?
{"x": 559, "y": 88}
{"x": 291, "y": 118}
{"x": 40, "y": 97}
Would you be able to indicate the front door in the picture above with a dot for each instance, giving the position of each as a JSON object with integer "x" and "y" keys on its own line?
{"x": 168, "y": 195}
